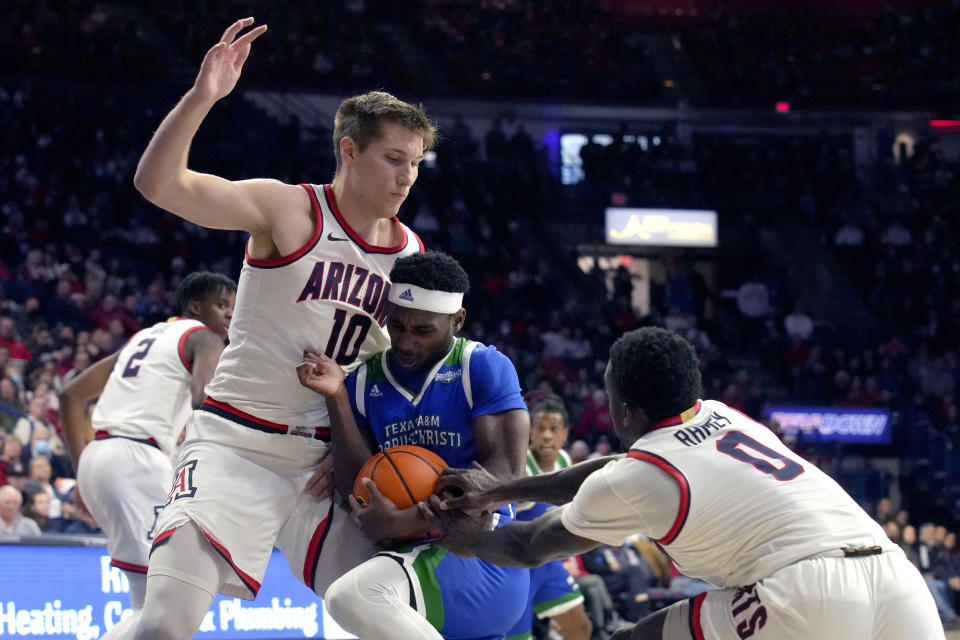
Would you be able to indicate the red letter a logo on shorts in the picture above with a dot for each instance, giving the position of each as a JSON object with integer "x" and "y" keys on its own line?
{"x": 183, "y": 486}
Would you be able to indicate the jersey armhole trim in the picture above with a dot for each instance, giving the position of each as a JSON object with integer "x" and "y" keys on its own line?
{"x": 283, "y": 261}
{"x": 467, "y": 385}
{"x": 360, "y": 391}
{"x": 182, "y": 343}
{"x": 684, "y": 509}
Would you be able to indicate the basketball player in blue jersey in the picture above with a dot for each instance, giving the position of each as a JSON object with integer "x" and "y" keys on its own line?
{"x": 455, "y": 397}
{"x": 254, "y": 471}
{"x": 554, "y": 593}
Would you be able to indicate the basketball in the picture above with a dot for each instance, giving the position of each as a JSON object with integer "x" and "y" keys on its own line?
{"x": 406, "y": 475}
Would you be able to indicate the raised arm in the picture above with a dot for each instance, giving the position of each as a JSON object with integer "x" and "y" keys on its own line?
{"x": 88, "y": 384}
{"x": 210, "y": 201}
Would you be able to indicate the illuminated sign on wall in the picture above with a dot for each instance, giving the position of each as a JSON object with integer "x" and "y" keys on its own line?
{"x": 73, "y": 592}
{"x": 661, "y": 227}
{"x": 832, "y": 424}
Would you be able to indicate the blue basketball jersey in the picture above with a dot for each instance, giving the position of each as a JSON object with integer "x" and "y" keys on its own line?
{"x": 461, "y": 597}
{"x": 472, "y": 380}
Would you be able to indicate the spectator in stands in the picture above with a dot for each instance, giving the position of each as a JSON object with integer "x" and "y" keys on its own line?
{"x": 931, "y": 562}
{"x": 597, "y": 600}
{"x": 11, "y": 464}
{"x": 11, "y": 409}
{"x": 12, "y": 521}
{"x": 40, "y": 473}
{"x": 579, "y": 451}
{"x": 39, "y": 434}
{"x": 10, "y": 339}
{"x": 36, "y": 507}
{"x": 595, "y": 419}
{"x": 884, "y": 512}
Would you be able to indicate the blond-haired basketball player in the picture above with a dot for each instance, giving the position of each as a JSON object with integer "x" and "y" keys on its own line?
{"x": 315, "y": 273}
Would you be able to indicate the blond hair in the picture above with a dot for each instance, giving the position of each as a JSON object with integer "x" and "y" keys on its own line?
{"x": 359, "y": 118}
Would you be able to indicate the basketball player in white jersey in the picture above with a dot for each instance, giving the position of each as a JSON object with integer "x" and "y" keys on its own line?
{"x": 146, "y": 392}
{"x": 315, "y": 273}
{"x": 794, "y": 555}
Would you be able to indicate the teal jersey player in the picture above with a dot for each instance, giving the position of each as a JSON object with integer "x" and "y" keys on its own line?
{"x": 553, "y": 591}
{"x": 457, "y": 398}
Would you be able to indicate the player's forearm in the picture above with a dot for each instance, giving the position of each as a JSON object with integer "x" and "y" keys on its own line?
{"x": 558, "y": 487}
{"x": 350, "y": 449}
{"x": 165, "y": 159}
{"x": 522, "y": 544}
{"x": 73, "y": 420}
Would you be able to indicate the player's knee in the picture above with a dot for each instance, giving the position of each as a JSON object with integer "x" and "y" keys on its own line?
{"x": 342, "y": 599}
{"x": 152, "y": 627}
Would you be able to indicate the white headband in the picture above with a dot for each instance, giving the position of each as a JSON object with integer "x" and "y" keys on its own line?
{"x": 414, "y": 297}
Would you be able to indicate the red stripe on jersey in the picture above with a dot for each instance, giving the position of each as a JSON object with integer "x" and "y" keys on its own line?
{"x": 299, "y": 253}
{"x": 680, "y": 418}
{"x": 331, "y": 200}
{"x": 314, "y": 548}
{"x": 128, "y": 566}
{"x": 183, "y": 340}
{"x": 161, "y": 538}
{"x": 419, "y": 241}
{"x": 223, "y": 406}
{"x": 696, "y": 629}
{"x": 250, "y": 583}
{"x": 684, "y": 509}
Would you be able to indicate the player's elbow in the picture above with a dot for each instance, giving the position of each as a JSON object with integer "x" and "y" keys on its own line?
{"x": 154, "y": 187}
{"x": 148, "y": 185}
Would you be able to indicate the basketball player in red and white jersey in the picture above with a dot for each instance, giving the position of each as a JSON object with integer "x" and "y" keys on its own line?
{"x": 795, "y": 557}
{"x": 146, "y": 391}
{"x": 315, "y": 273}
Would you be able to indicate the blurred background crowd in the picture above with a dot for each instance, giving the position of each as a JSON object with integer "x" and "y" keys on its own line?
{"x": 835, "y": 283}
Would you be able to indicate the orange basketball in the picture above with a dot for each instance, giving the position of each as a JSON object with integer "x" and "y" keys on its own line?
{"x": 406, "y": 474}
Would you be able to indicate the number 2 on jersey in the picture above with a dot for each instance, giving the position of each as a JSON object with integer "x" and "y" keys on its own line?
{"x": 731, "y": 443}
{"x": 133, "y": 367}
{"x": 358, "y": 322}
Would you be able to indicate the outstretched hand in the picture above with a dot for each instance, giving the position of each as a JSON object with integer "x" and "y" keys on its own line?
{"x": 221, "y": 66}
{"x": 458, "y": 530}
{"x": 320, "y": 373}
{"x": 467, "y": 489}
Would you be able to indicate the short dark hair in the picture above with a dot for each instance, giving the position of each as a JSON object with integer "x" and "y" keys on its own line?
{"x": 432, "y": 270}
{"x": 359, "y": 118}
{"x": 200, "y": 284}
{"x": 548, "y": 403}
{"x": 656, "y": 371}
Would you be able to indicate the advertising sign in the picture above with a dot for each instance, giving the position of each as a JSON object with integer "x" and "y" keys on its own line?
{"x": 833, "y": 424}
{"x": 73, "y": 592}
{"x": 662, "y": 227}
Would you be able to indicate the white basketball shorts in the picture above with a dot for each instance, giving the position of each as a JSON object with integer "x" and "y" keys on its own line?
{"x": 245, "y": 490}
{"x": 878, "y": 597}
{"x": 124, "y": 484}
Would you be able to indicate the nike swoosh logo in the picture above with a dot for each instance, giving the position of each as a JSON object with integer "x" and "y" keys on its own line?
{"x": 334, "y": 238}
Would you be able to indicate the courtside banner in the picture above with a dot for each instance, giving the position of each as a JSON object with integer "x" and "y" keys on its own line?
{"x": 662, "y": 227}
{"x": 73, "y": 592}
{"x": 833, "y": 424}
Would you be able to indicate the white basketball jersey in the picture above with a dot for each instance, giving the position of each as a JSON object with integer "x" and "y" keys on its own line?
{"x": 148, "y": 392}
{"x": 329, "y": 295}
{"x": 723, "y": 497}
